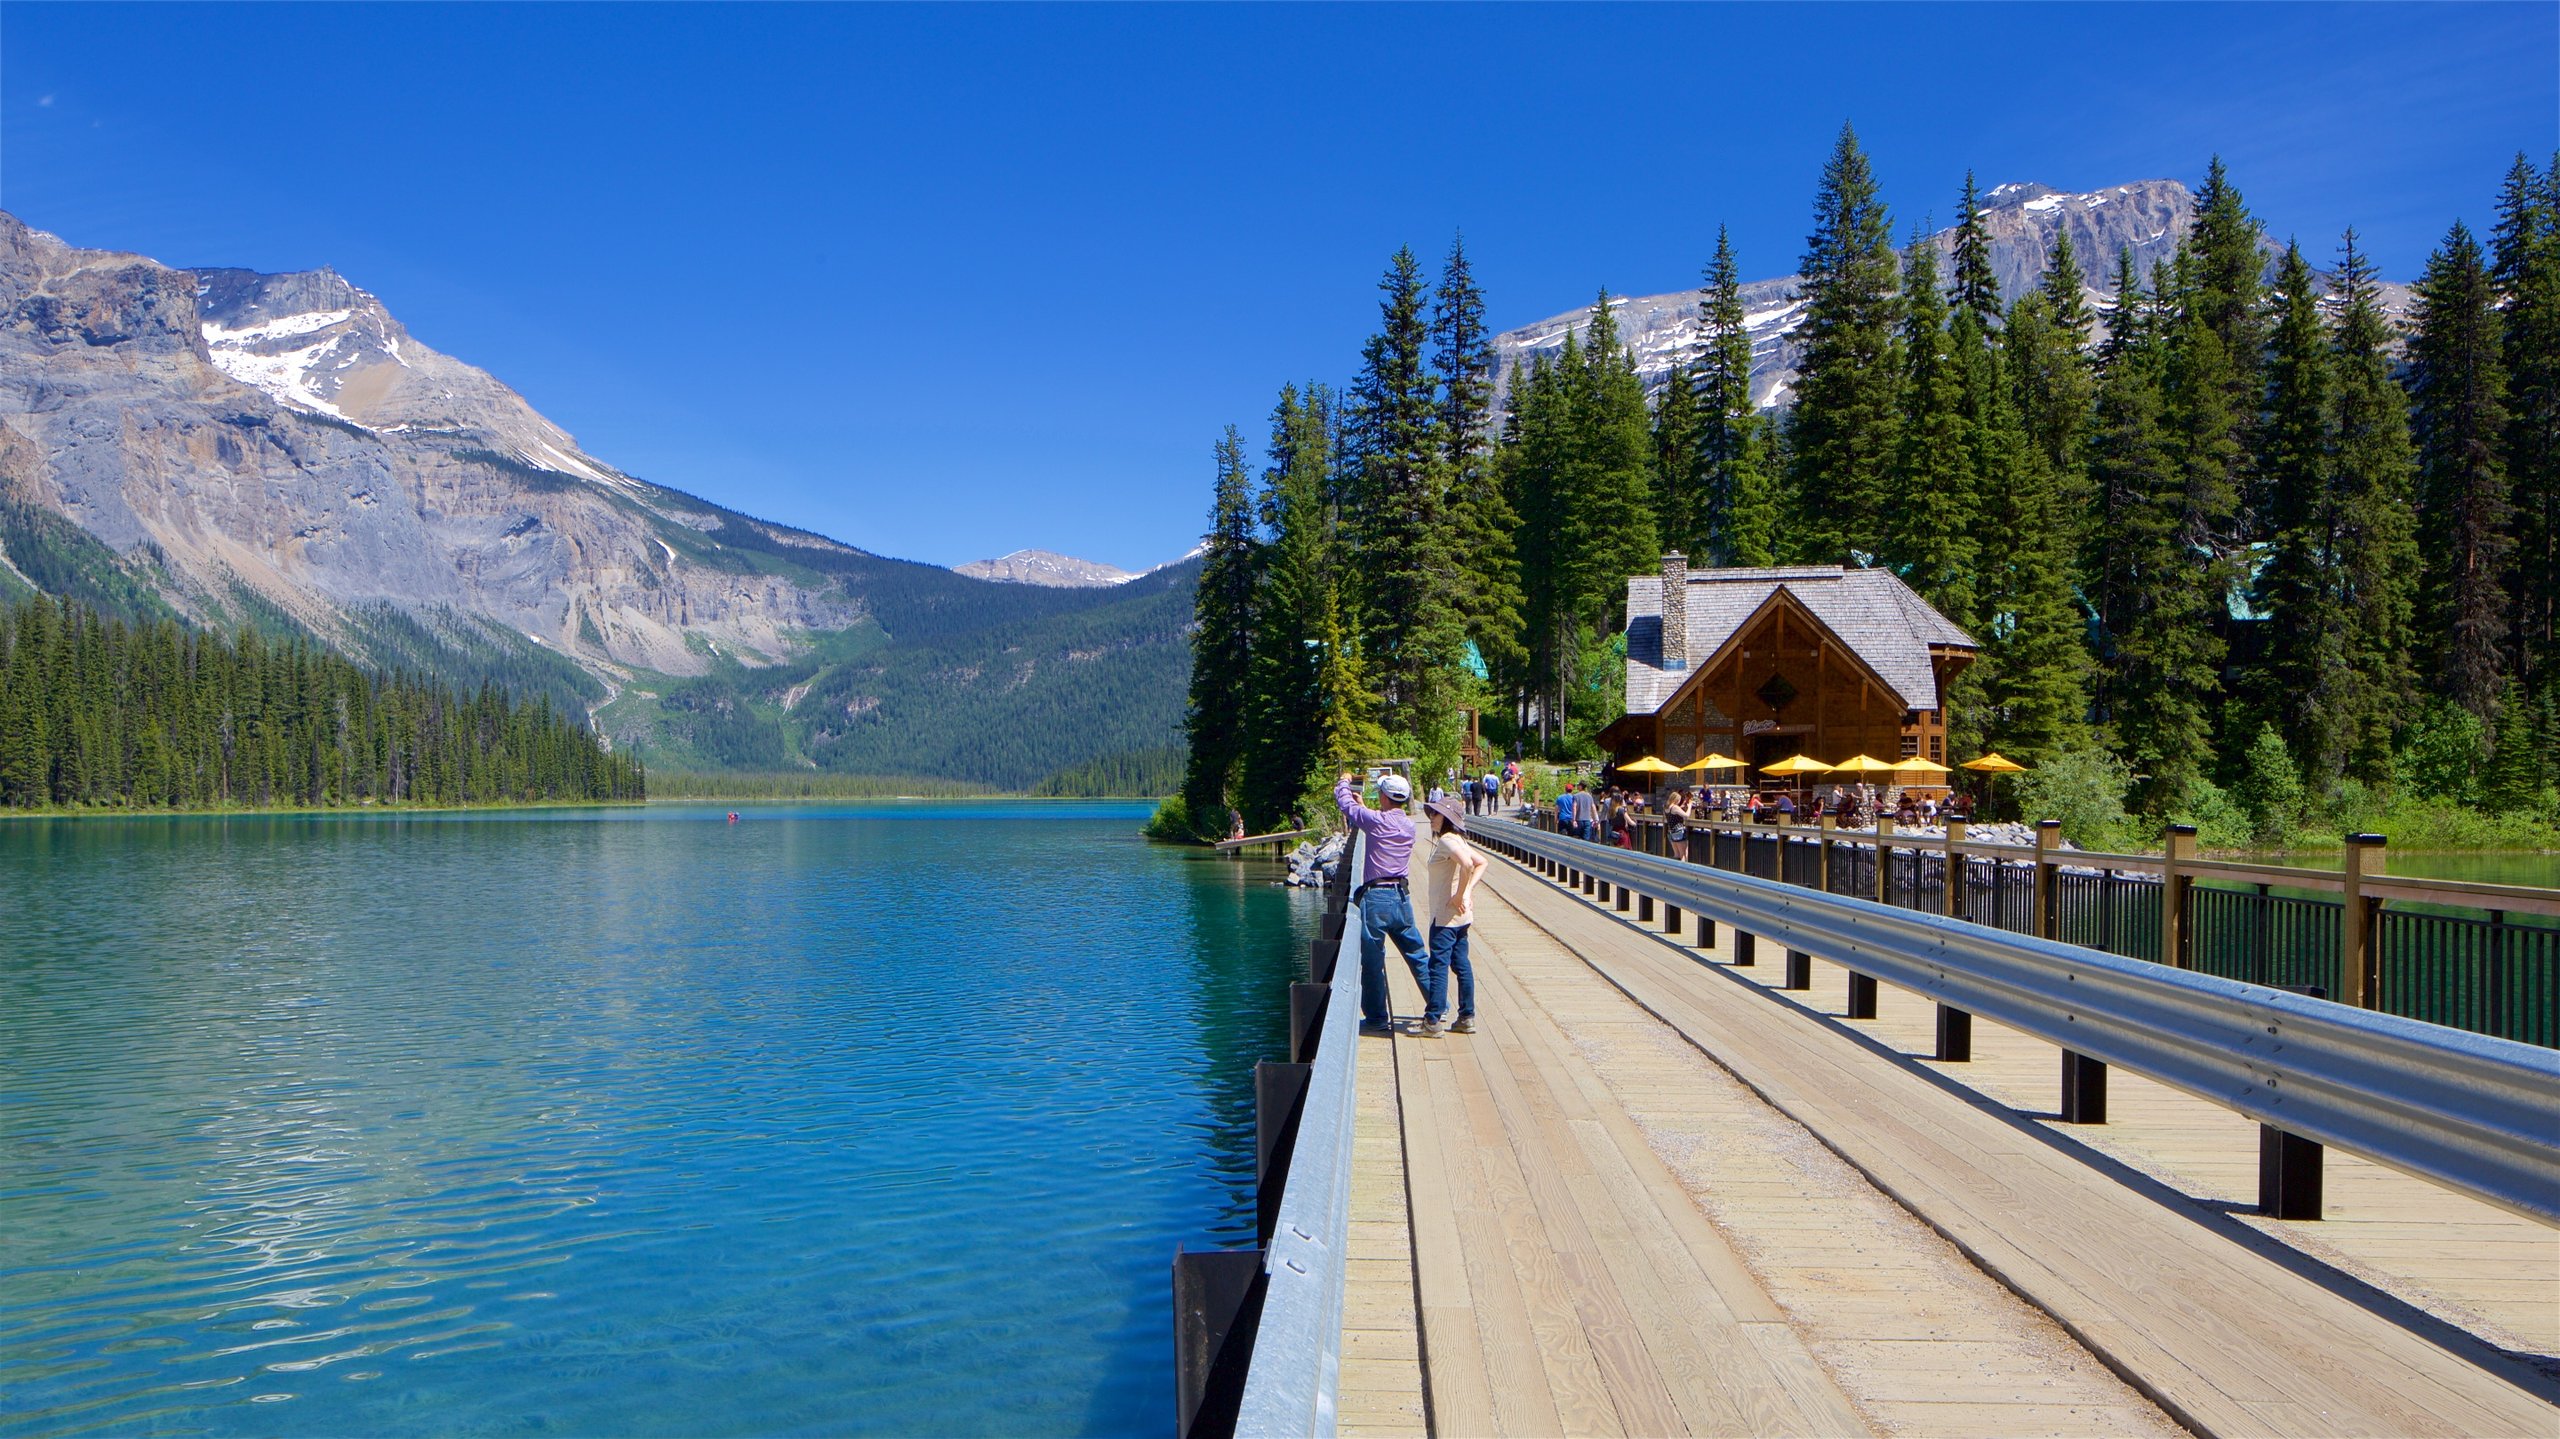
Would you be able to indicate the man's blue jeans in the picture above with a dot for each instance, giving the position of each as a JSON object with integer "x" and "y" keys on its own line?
{"x": 1449, "y": 953}
{"x": 1385, "y": 911}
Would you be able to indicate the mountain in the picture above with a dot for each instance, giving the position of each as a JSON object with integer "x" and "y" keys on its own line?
{"x": 1045, "y": 567}
{"x": 2148, "y": 217}
{"x": 242, "y": 449}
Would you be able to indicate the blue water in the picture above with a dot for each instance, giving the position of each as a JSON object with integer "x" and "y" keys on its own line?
{"x": 867, "y": 1119}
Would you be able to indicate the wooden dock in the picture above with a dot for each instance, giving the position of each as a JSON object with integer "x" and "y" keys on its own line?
{"x": 1655, "y": 1195}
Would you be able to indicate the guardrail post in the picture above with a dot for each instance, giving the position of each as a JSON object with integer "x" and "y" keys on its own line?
{"x": 2359, "y": 958}
{"x": 1306, "y": 1016}
{"x": 1670, "y": 917}
{"x": 2288, "y": 1174}
{"x": 1884, "y": 858}
{"x": 1955, "y": 870}
{"x": 1644, "y": 909}
{"x": 1216, "y": 1294}
{"x": 1955, "y": 1035}
{"x": 1706, "y": 932}
{"x": 2048, "y": 912}
{"x": 1862, "y": 995}
{"x": 1620, "y": 903}
{"x": 1279, "y": 1097}
{"x": 1320, "y": 958}
{"x": 2084, "y": 1089}
{"x": 1799, "y": 970}
{"x": 2177, "y": 847}
{"x": 1746, "y": 948}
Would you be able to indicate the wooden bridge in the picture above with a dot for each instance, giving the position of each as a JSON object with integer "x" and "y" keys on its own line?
{"x": 1671, "y": 1186}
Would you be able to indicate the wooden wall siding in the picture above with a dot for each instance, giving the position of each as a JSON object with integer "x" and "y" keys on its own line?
{"x": 1839, "y": 709}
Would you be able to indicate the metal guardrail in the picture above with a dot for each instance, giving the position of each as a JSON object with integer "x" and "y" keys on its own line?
{"x": 1296, "y": 1374}
{"x": 2475, "y": 1113}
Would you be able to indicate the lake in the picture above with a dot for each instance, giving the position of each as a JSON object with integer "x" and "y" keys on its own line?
{"x": 874, "y": 1118}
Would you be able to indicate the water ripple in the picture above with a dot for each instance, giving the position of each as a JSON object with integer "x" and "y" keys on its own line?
{"x": 872, "y": 1120}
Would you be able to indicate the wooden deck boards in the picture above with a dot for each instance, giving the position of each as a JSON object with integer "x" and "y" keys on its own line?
{"x": 2234, "y": 1332}
{"x": 1381, "y": 1389}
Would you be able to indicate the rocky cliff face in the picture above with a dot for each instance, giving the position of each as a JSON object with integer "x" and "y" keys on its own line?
{"x": 280, "y": 440}
{"x": 2148, "y": 217}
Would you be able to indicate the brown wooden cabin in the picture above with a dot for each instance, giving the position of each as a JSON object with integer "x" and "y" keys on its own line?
{"x": 1760, "y": 664}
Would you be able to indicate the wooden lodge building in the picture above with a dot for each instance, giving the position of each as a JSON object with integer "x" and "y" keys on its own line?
{"x": 1760, "y": 664}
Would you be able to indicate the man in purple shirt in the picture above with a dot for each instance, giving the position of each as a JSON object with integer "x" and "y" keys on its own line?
{"x": 1386, "y": 908}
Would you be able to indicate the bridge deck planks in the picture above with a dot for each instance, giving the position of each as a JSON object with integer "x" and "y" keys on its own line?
{"x": 1572, "y": 1287}
{"x": 2231, "y": 1340}
{"x": 1381, "y": 1385}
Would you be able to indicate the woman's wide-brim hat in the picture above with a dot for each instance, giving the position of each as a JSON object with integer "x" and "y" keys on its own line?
{"x": 1449, "y": 811}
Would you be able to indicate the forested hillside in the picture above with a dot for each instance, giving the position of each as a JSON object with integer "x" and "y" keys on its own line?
{"x": 952, "y": 678}
{"x": 96, "y": 712}
{"x": 2239, "y": 546}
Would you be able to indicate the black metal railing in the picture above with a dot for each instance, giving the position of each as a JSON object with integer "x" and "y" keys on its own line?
{"x": 2490, "y": 975}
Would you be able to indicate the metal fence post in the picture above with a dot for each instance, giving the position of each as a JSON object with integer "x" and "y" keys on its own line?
{"x": 2048, "y": 915}
{"x": 2178, "y": 847}
{"x": 2084, "y": 1089}
{"x": 1884, "y": 858}
{"x": 1862, "y": 995}
{"x": 1955, "y": 870}
{"x": 2359, "y": 959}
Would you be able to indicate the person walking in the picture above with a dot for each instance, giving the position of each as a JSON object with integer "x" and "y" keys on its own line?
{"x": 1386, "y": 908}
{"x": 1454, "y": 869}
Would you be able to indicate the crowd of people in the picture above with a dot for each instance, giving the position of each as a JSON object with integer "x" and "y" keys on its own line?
{"x": 1607, "y": 813}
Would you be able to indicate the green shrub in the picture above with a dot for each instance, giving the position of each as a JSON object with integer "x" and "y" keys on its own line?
{"x": 2270, "y": 790}
{"x": 1171, "y": 822}
{"x": 2220, "y": 821}
{"x": 2084, "y": 788}
{"x": 2440, "y": 757}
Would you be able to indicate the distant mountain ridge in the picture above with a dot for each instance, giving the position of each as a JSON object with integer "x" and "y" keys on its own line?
{"x": 1045, "y": 567}
{"x": 243, "y": 449}
{"x": 2148, "y": 217}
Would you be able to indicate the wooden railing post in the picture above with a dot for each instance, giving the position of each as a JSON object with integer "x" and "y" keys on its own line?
{"x": 1822, "y": 849}
{"x": 2178, "y": 847}
{"x": 2048, "y": 915}
{"x": 1884, "y": 858}
{"x": 2359, "y": 962}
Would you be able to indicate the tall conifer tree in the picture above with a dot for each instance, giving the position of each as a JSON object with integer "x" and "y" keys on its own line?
{"x": 2374, "y": 479}
{"x": 2525, "y": 264}
{"x": 1842, "y": 439}
{"x": 1283, "y": 736}
{"x": 1481, "y": 521}
{"x": 2303, "y": 685}
{"x": 1398, "y": 523}
{"x": 1928, "y": 517}
{"x": 2465, "y": 504}
{"x": 1221, "y": 642}
{"x": 1736, "y": 486}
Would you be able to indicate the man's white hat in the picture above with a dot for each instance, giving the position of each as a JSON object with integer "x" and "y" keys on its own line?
{"x": 1394, "y": 787}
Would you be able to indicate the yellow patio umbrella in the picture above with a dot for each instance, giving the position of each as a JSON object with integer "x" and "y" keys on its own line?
{"x": 1914, "y": 764}
{"x": 1863, "y": 764}
{"x": 1798, "y": 764}
{"x": 1648, "y": 765}
{"x": 1713, "y": 761}
{"x": 1995, "y": 763}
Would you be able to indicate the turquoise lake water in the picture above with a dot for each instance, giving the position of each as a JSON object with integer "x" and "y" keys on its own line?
{"x": 865, "y": 1119}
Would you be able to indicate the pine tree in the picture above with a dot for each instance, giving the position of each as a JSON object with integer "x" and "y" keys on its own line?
{"x": 1284, "y": 735}
{"x": 1977, "y": 286}
{"x": 1221, "y": 643}
{"x": 2306, "y": 676}
{"x": 1928, "y": 534}
{"x": 1480, "y": 518}
{"x": 2465, "y": 507}
{"x": 1612, "y": 521}
{"x": 1676, "y": 511}
{"x": 2525, "y": 264}
{"x": 1396, "y": 521}
{"x": 1842, "y": 439}
{"x": 1737, "y": 519}
{"x": 2374, "y": 480}
{"x": 2219, "y": 276}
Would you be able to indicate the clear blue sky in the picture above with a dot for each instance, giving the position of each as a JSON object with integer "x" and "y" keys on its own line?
{"x": 947, "y": 282}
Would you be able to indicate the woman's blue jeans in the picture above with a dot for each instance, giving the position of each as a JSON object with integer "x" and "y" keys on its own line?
{"x": 1448, "y": 954}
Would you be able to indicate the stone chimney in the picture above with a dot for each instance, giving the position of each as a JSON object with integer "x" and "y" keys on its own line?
{"x": 1675, "y": 611}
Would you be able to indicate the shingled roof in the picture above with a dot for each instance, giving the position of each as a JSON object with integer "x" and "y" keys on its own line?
{"x": 1872, "y": 611}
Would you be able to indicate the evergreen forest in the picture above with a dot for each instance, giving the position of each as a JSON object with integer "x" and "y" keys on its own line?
{"x": 2239, "y": 543}
{"x": 99, "y": 713}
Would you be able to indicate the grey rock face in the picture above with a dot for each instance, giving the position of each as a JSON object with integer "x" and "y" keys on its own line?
{"x": 284, "y": 435}
{"x": 1045, "y": 567}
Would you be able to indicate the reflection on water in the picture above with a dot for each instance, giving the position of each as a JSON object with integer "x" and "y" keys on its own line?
{"x": 876, "y": 1119}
